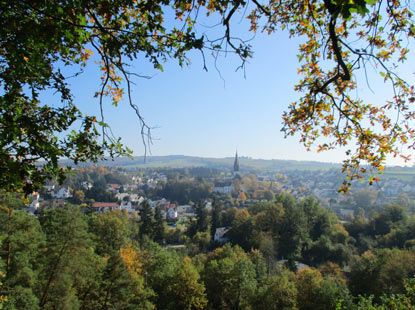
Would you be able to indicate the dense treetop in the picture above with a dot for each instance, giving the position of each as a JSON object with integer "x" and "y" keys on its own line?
{"x": 67, "y": 259}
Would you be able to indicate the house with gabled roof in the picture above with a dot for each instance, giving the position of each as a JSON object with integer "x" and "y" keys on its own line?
{"x": 62, "y": 193}
{"x": 101, "y": 207}
{"x": 113, "y": 187}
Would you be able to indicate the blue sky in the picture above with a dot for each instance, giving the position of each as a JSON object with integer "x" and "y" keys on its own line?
{"x": 209, "y": 114}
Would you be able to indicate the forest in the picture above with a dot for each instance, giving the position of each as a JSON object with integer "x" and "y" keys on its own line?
{"x": 284, "y": 254}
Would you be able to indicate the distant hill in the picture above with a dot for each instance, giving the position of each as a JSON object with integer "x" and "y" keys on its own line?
{"x": 246, "y": 163}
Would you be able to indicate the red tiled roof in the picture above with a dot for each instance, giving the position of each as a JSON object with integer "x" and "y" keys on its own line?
{"x": 105, "y": 204}
{"x": 114, "y": 186}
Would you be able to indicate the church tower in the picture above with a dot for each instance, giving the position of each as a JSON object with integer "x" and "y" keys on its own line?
{"x": 236, "y": 167}
{"x": 236, "y": 163}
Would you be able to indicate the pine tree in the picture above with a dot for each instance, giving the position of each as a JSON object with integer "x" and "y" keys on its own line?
{"x": 21, "y": 243}
{"x": 146, "y": 215}
{"x": 120, "y": 281}
{"x": 215, "y": 219}
{"x": 159, "y": 226}
{"x": 201, "y": 217}
{"x": 66, "y": 261}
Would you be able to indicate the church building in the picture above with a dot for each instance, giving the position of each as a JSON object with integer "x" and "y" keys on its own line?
{"x": 226, "y": 186}
{"x": 236, "y": 174}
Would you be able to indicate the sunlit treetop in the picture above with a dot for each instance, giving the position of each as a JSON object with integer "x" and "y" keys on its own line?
{"x": 344, "y": 38}
{"x": 341, "y": 38}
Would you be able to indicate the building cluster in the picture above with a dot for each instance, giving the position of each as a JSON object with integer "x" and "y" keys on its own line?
{"x": 126, "y": 201}
{"x": 60, "y": 194}
{"x": 322, "y": 184}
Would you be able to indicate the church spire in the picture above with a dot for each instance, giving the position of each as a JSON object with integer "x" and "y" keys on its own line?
{"x": 236, "y": 163}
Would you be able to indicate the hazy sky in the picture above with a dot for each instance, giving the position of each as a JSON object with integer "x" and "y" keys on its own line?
{"x": 210, "y": 114}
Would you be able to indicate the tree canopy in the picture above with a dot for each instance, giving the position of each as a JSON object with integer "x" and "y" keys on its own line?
{"x": 39, "y": 39}
{"x": 67, "y": 259}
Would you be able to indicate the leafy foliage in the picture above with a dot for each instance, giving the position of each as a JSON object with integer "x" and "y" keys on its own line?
{"x": 188, "y": 293}
{"x": 65, "y": 259}
{"x": 391, "y": 302}
{"x": 350, "y": 35}
{"x": 40, "y": 39}
{"x": 277, "y": 292}
{"x": 229, "y": 277}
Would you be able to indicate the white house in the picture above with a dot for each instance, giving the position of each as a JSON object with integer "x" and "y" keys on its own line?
{"x": 224, "y": 187}
{"x": 62, "y": 193}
